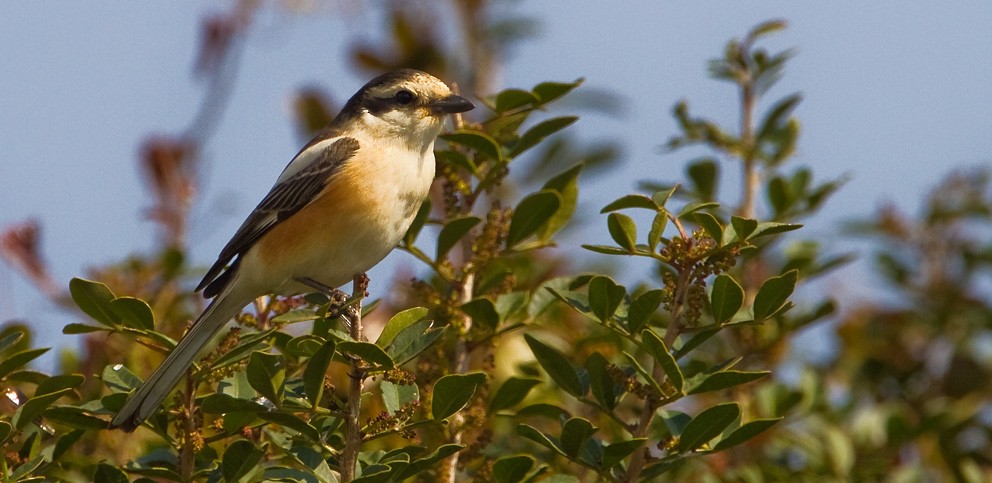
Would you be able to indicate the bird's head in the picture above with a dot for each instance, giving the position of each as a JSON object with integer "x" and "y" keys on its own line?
{"x": 405, "y": 103}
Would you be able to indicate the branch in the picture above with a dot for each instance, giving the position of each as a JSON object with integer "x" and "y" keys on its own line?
{"x": 352, "y": 432}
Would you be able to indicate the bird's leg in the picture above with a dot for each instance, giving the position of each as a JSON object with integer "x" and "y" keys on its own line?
{"x": 340, "y": 302}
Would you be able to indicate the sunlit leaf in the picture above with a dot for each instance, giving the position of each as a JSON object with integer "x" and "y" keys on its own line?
{"x": 773, "y": 295}
{"x": 557, "y": 366}
{"x": 538, "y": 132}
{"x": 726, "y": 298}
{"x": 452, "y": 392}
{"x": 660, "y": 353}
{"x": 531, "y": 213}
{"x": 480, "y": 142}
{"x": 313, "y": 374}
{"x": 708, "y": 425}
{"x": 94, "y": 298}
{"x": 453, "y": 232}
{"x": 744, "y": 433}
{"x": 623, "y": 230}
{"x": 512, "y": 392}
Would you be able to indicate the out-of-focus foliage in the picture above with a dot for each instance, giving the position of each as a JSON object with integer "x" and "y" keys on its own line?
{"x": 503, "y": 357}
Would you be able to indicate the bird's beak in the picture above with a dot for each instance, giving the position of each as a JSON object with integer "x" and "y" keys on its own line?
{"x": 451, "y": 105}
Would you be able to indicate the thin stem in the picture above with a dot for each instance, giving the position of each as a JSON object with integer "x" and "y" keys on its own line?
{"x": 352, "y": 432}
{"x": 639, "y": 459}
{"x": 449, "y": 468}
{"x": 752, "y": 180}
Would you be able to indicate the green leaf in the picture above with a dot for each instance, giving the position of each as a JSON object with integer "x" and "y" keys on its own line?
{"x": 512, "y": 392}
{"x": 661, "y": 197}
{"x": 412, "y": 341}
{"x": 695, "y": 207}
{"x": 453, "y": 232}
{"x": 452, "y": 392}
{"x": 744, "y": 227}
{"x": 290, "y": 421}
{"x": 94, "y": 298}
{"x": 695, "y": 341}
{"x": 304, "y": 345}
{"x": 418, "y": 223}
{"x": 59, "y": 382}
{"x": 617, "y": 452}
{"x": 531, "y": 214}
{"x": 661, "y": 355}
{"x": 480, "y": 142}
{"x": 557, "y": 366}
{"x": 708, "y": 425}
{"x": 74, "y": 417}
{"x": 710, "y": 224}
{"x": 642, "y": 309}
{"x": 773, "y": 228}
{"x": 576, "y": 300}
{"x": 605, "y": 297}
{"x": 65, "y": 441}
{"x": 540, "y": 438}
{"x": 606, "y": 250}
{"x": 780, "y": 195}
{"x": 368, "y": 352}
{"x": 109, "y": 474}
{"x": 623, "y": 230}
{"x": 536, "y": 134}
{"x": 549, "y": 411}
{"x": 18, "y": 360}
{"x": 11, "y": 339}
{"x": 133, "y": 312}
{"x": 658, "y": 226}
{"x": 704, "y": 174}
{"x": 119, "y": 378}
{"x": 240, "y": 458}
{"x": 33, "y": 408}
{"x": 399, "y": 322}
{"x": 726, "y": 298}
{"x": 636, "y": 365}
{"x": 549, "y": 91}
{"x": 566, "y": 184}
{"x": 601, "y": 384}
{"x": 313, "y": 374}
{"x": 482, "y": 310}
{"x": 305, "y": 314}
{"x": 773, "y": 295}
{"x": 725, "y": 379}
{"x": 744, "y": 433}
{"x": 422, "y": 464}
{"x": 574, "y": 434}
{"x": 512, "y": 99}
{"x": 512, "y": 469}
{"x": 266, "y": 374}
{"x": 777, "y": 115}
{"x": 395, "y": 396}
{"x": 75, "y": 328}
{"x": 219, "y": 403}
{"x": 5, "y": 429}
{"x": 245, "y": 345}
{"x": 630, "y": 201}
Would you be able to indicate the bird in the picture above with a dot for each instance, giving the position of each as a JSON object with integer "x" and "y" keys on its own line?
{"x": 337, "y": 209}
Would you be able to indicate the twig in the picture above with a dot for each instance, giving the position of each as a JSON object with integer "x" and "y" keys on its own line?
{"x": 352, "y": 435}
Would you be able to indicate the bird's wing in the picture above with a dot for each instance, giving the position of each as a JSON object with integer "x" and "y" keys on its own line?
{"x": 296, "y": 188}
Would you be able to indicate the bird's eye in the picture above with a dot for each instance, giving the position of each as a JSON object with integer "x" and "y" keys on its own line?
{"x": 404, "y": 97}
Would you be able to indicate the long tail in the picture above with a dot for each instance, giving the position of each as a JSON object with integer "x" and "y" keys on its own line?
{"x": 154, "y": 390}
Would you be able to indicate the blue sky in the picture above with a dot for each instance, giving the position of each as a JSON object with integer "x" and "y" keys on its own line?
{"x": 896, "y": 95}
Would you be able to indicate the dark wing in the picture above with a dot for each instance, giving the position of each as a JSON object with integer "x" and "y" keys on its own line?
{"x": 286, "y": 198}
